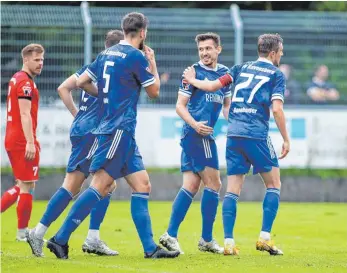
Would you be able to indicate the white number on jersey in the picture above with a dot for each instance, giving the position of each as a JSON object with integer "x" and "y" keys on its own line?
{"x": 245, "y": 84}
{"x": 107, "y": 76}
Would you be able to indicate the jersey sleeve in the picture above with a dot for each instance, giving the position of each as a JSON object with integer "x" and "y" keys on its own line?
{"x": 185, "y": 88}
{"x": 24, "y": 90}
{"x": 80, "y": 71}
{"x": 279, "y": 87}
{"x": 141, "y": 70}
{"x": 92, "y": 69}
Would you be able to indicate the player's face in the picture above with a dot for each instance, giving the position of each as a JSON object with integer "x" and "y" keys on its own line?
{"x": 143, "y": 35}
{"x": 34, "y": 63}
{"x": 277, "y": 56}
{"x": 208, "y": 52}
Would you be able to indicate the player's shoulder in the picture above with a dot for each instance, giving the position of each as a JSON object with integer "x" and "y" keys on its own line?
{"x": 221, "y": 68}
{"x": 21, "y": 76}
{"x": 278, "y": 72}
{"x": 80, "y": 71}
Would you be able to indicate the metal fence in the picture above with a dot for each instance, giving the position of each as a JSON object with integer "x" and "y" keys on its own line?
{"x": 309, "y": 39}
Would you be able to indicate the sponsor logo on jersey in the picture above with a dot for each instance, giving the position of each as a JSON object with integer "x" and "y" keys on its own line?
{"x": 27, "y": 89}
{"x": 185, "y": 84}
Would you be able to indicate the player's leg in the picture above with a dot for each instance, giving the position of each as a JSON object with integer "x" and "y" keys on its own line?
{"x": 24, "y": 207}
{"x": 56, "y": 205}
{"x": 26, "y": 174}
{"x": 209, "y": 204}
{"x": 137, "y": 177}
{"x": 100, "y": 186}
{"x": 237, "y": 166}
{"x": 9, "y": 197}
{"x": 141, "y": 187}
{"x": 93, "y": 243}
{"x": 180, "y": 206}
{"x": 264, "y": 161}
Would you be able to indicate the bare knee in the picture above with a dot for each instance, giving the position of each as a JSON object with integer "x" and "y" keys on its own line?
{"x": 73, "y": 182}
{"x": 211, "y": 179}
{"x": 102, "y": 182}
{"x": 144, "y": 186}
{"x": 26, "y": 187}
{"x": 214, "y": 184}
{"x": 191, "y": 182}
{"x": 113, "y": 187}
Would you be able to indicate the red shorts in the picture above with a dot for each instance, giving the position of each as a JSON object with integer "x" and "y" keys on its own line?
{"x": 23, "y": 169}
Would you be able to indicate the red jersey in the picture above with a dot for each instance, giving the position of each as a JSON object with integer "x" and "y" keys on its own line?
{"x": 21, "y": 86}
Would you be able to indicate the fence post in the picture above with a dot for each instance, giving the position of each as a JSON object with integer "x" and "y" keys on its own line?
{"x": 87, "y": 22}
{"x": 238, "y": 27}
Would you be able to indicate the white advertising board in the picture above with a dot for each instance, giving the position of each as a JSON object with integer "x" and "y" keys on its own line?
{"x": 318, "y": 137}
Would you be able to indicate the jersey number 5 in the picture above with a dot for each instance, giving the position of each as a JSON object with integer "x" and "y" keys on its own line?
{"x": 107, "y": 76}
{"x": 245, "y": 84}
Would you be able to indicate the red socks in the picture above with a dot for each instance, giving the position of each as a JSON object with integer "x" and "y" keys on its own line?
{"x": 9, "y": 198}
{"x": 25, "y": 204}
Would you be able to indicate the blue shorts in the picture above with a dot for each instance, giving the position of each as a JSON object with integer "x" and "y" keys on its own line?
{"x": 242, "y": 152}
{"x": 197, "y": 153}
{"x": 81, "y": 153}
{"x": 117, "y": 154}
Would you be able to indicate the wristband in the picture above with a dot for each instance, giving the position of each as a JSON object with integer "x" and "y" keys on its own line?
{"x": 226, "y": 79}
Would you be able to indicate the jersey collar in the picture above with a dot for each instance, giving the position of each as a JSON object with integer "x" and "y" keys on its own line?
{"x": 124, "y": 42}
{"x": 208, "y": 68}
{"x": 261, "y": 59}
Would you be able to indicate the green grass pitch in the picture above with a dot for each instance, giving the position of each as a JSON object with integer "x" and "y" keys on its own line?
{"x": 313, "y": 237}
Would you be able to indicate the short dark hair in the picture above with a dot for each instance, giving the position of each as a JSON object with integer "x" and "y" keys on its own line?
{"x": 29, "y": 49}
{"x": 133, "y": 22}
{"x": 113, "y": 37}
{"x": 268, "y": 43}
{"x": 208, "y": 36}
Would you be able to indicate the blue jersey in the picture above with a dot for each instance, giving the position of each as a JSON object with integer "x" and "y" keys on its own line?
{"x": 86, "y": 118}
{"x": 204, "y": 106}
{"x": 256, "y": 84}
{"x": 119, "y": 71}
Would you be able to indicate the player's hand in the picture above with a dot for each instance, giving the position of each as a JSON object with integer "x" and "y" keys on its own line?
{"x": 149, "y": 53}
{"x": 203, "y": 129}
{"x": 189, "y": 74}
{"x": 30, "y": 151}
{"x": 285, "y": 149}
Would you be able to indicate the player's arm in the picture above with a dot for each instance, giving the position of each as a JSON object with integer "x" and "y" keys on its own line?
{"x": 153, "y": 89}
{"x": 64, "y": 91}
{"x": 209, "y": 86}
{"x": 27, "y": 126}
{"x": 277, "y": 98}
{"x": 226, "y": 107}
{"x": 182, "y": 111}
{"x": 85, "y": 82}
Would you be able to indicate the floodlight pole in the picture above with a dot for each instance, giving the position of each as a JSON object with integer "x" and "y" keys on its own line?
{"x": 87, "y": 22}
{"x": 238, "y": 27}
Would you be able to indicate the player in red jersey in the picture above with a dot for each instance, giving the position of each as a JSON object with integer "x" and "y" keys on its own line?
{"x": 20, "y": 141}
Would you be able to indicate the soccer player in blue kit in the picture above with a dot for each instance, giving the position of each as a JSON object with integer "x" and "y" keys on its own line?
{"x": 258, "y": 85}
{"x": 199, "y": 160}
{"x": 119, "y": 71}
{"x": 82, "y": 140}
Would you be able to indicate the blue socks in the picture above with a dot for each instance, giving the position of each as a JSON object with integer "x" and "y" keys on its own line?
{"x": 142, "y": 220}
{"x": 209, "y": 204}
{"x": 270, "y": 207}
{"x": 79, "y": 211}
{"x": 56, "y": 205}
{"x": 179, "y": 210}
{"x": 97, "y": 214}
{"x": 229, "y": 214}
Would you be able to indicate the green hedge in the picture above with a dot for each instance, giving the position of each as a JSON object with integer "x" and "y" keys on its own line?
{"x": 322, "y": 173}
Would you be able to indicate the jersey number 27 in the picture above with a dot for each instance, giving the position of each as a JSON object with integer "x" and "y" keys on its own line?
{"x": 250, "y": 77}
